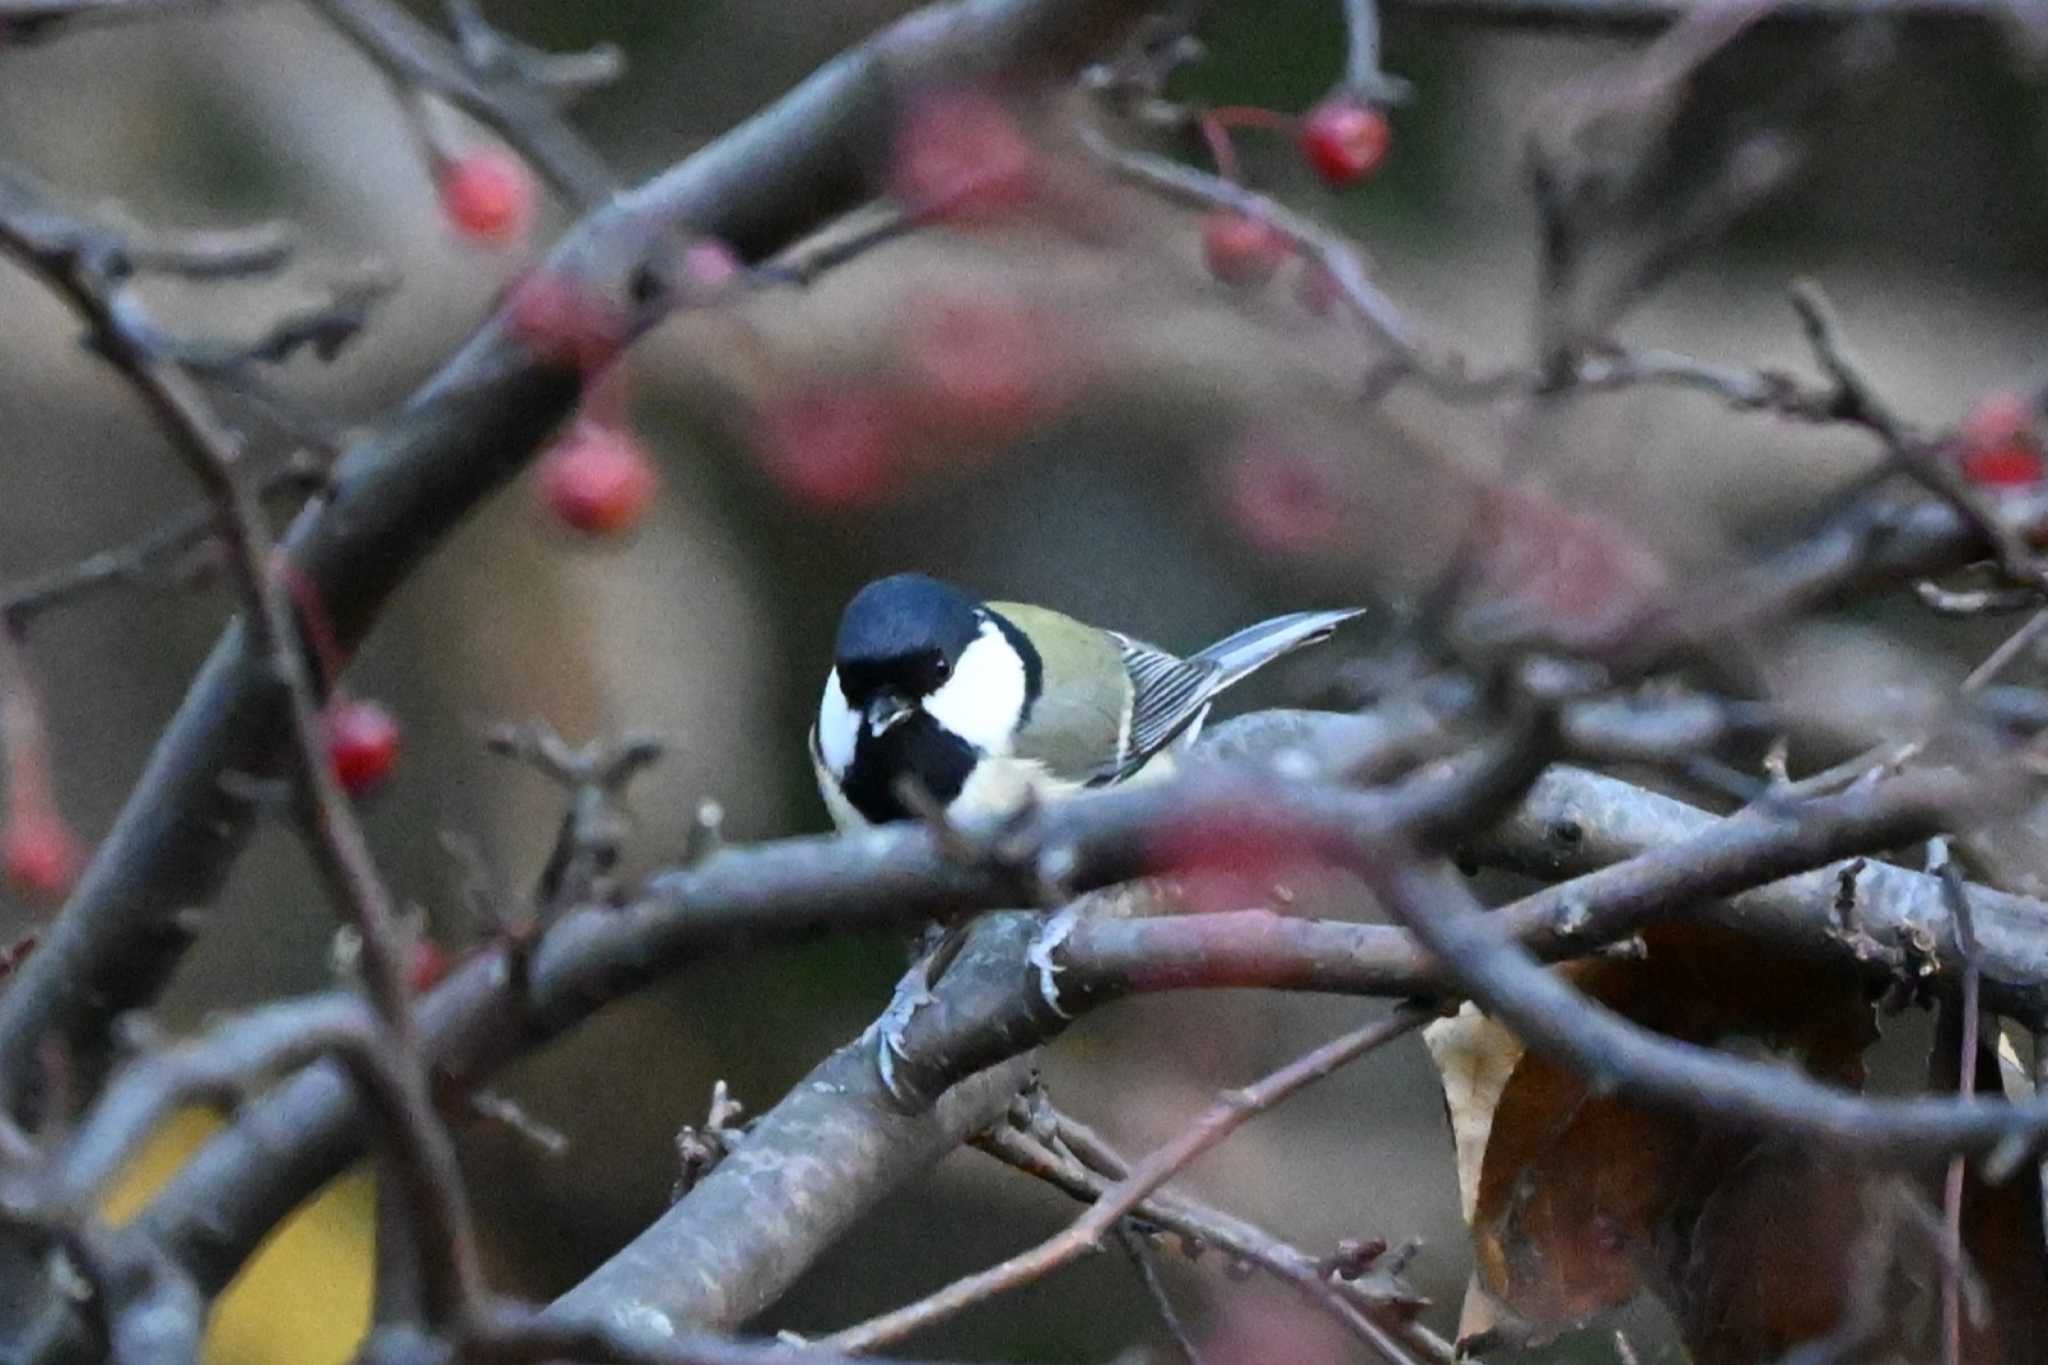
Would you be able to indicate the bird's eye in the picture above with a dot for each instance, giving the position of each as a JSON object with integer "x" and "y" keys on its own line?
{"x": 942, "y": 668}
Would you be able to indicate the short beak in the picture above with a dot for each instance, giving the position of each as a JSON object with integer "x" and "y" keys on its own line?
{"x": 886, "y": 710}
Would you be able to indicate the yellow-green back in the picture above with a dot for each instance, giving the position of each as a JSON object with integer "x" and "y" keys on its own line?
{"x": 1084, "y": 705}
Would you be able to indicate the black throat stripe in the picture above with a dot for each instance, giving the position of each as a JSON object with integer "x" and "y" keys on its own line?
{"x": 919, "y": 747}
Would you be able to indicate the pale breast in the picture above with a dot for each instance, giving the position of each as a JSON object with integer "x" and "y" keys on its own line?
{"x": 998, "y": 786}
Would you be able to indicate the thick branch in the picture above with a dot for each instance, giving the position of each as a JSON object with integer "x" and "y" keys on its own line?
{"x": 248, "y": 1178}
{"x": 837, "y": 1145}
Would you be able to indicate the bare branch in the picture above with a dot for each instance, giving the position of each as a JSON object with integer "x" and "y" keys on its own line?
{"x": 502, "y": 96}
{"x": 1200, "y": 1226}
{"x": 222, "y": 1067}
{"x": 1230, "y": 1112}
{"x": 1548, "y": 1014}
{"x": 155, "y": 555}
{"x": 220, "y": 1205}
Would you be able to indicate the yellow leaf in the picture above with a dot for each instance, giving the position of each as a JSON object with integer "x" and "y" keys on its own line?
{"x": 304, "y": 1298}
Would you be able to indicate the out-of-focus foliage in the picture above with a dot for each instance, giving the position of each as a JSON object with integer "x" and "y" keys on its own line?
{"x": 305, "y": 1298}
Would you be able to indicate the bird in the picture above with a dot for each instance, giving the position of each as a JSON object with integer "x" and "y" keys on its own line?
{"x": 988, "y": 705}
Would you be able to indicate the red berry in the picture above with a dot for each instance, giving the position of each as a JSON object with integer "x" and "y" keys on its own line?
{"x": 981, "y": 364}
{"x": 1242, "y": 250}
{"x": 598, "y": 479}
{"x": 833, "y": 447}
{"x": 1316, "y": 289}
{"x": 565, "y": 324}
{"x": 1282, "y": 501}
{"x": 959, "y": 153}
{"x": 1345, "y": 141}
{"x": 362, "y": 744}
{"x": 2014, "y": 466}
{"x": 709, "y": 266}
{"x": 425, "y": 966}
{"x": 1998, "y": 447}
{"x": 40, "y": 854}
{"x": 487, "y": 195}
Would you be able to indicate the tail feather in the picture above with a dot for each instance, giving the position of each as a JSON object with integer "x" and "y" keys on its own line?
{"x": 1236, "y": 656}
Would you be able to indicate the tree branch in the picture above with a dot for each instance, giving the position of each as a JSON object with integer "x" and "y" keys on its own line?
{"x": 243, "y": 1182}
{"x": 1550, "y": 1016}
{"x": 1231, "y": 1111}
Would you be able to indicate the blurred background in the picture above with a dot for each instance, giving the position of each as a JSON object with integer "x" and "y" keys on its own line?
{"x": 1123, "y": 499}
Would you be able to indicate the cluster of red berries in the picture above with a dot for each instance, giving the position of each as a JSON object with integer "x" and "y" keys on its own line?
{"x": 975, "y": 370}
{"x": 1344, "y": 140}
{"x": 959, "y": 155}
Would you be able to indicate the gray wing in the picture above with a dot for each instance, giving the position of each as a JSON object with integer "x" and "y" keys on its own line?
{"x": 1171, "y": 693}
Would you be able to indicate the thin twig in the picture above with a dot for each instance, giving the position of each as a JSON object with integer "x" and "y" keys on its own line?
{"x": 2009, "y": 649}
{"x": 1858, "y": 400}
{"x": 1230, "y": 1111}
{"x": 1364, "y": 78}
{"x": 1349, "y": 1303}
{"x": 1141, "y": 1258}
{"x": 150, "y": 557}
{"x": 507, "y": 101}
{"x": 1445, "y": 373}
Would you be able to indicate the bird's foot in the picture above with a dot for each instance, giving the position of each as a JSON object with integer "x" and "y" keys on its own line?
{"x": 913, "y": 993}
{"x": 1040, "y": 956}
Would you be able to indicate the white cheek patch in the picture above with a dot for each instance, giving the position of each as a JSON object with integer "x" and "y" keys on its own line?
{"x": 982, "y": 700}
{"x": 838, "y": 727}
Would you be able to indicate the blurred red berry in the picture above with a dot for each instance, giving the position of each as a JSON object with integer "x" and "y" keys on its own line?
{"x": 487, "y": 195}
{"x": 1345, "y": 141}
{"x": 40, "y": 854}
{"x": 362, "y": 744}
{"x": 1228, "y": 865}
{"x": 1283, "y": 501}
{"x": 1541, "y": 566}
{"x": 598, "y": 479}
{"x": 832, "y": 447}
{"x": 1241, "y": 250}
{"x": 709, "y": 267}
{"x": 426, "y": 965}
{"x": 980, "y": 363}
{"x": 564, "y": 323}
{"x": 1998, "y": 446}
{"x": 1315, "y": 288}
{"x": 960, "y": 154}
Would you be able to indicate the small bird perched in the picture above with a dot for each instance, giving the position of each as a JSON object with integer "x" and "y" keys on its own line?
{"x": 986, "y": 703}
